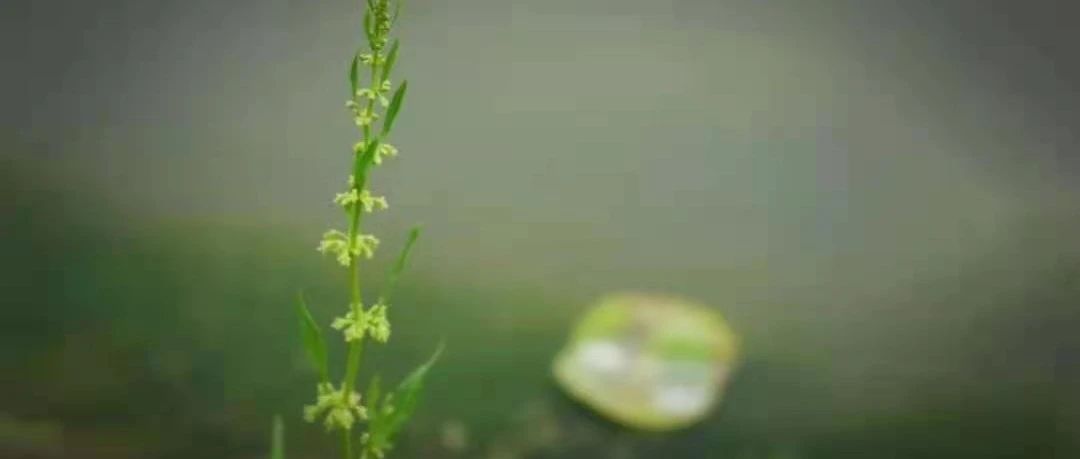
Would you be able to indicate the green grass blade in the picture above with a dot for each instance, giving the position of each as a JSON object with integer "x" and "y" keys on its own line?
{"x": 407, "y": 395}
{"x": 371, "y": 398}
{"x": 395, "y": 107}
{"x": 312, "y": 338}
{"x": 354, "y": 75}
{"x": 277, "y": 439}
{"x": 399, "y": 266}
{"x": 391, "y": 59}
{"x": 363, "y": 163}
{"x": 397, "y": 407}
{"x": 369, "y": 24}
{"x": 397, "y": 12}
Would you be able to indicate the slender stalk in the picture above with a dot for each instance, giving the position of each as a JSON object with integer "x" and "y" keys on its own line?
{"x": 342, "y": 409}
{"x": 346, "y": 444}
{"x": 356, "y": 347}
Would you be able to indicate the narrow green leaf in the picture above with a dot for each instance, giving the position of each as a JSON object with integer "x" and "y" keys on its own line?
{"x": 397, "y": 12}
{"x": 312, "y": 337}
{"x": 369, "y": 24}
{"x": 391, "y": 59}
{"x": 354, "y": 76}
{"x": 362, "y": 163}
{"x": 397, "y": 407}
{"x": 371, "y": 399}
{"x": 399, "y": 266}
{"x": 407, "y": 395}
{"x": 395, "y": 106}
{"x": 277, "y": 439}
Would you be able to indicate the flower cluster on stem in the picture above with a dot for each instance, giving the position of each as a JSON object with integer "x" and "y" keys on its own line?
{"x": 340, "y": 411}
{"x": 371, "y": 322}
{"x": 374, "y": 106}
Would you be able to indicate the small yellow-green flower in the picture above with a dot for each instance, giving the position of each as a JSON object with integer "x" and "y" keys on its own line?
{"x": 371, "y": 322}
{"x": 337, "y": 243}
{"x": 384, "y": 150}
{"x": 353, "y": 328}
{"x": 373, "y": 94}
{"x": 340, "y": 411}
{"x": 365, "y": 245}
{"x": 377, "y": 323}
{"x": 368, "y": 202}
{"x": 365, "y": 118}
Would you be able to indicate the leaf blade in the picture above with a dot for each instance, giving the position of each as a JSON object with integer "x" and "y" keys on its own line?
{"x": 371, "y": 398}
{"x": 391, "y": 59}
{"x": 354, "y": 75}
{"x": 397, "y": 12}
{"x": 369, "y": 24}
{"x": 363, "y": 163}
{"x": 399, "y": 265}
{"x": 397, "y": 407}
{"x": 395, "y": 107}
{"x": 314, "y": 345}
{"x": 408, "y": 393}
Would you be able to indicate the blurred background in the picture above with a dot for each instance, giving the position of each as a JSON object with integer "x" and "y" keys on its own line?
{"x": 883, "y": 198}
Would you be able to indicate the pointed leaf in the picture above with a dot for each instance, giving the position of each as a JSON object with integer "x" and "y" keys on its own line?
{"x": 399, "y": 266}
{"x": 313, "y": 340}
{"x": 391, "y": 59}
{"x": 369, "y": 24}
{"x": 371, "y": 399}
{"x": 277, "y": 439}
{"x": 354, "y": 77}
{"x": 407, "y": 395}
{"x": 363, "y": 162}
{"x": 397, "y": 12}
{"x": 397, "y": 407}
{"x": 395, "y": 106}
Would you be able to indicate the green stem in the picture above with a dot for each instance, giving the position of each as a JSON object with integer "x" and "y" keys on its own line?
{"x": 356, "y": 348}
{"x": 346, "y": 444}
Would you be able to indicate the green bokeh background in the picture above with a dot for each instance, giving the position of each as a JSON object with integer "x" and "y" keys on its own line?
{"x": 878, "y": 196}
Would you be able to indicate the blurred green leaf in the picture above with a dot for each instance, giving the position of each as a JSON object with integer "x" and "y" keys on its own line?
{"x": 399, "y": 266}
{"x": 369, "y": 24}
{"x": 277, "y": 439}
{"x": 372, "y": 397}
{"x": 395, "y": 106}
{"x": 397, "y": 407}
{"x": 363, "y": 163}
{"x": 397, "y": 11}
{"x": 354, "y": 77}
{"x": 407, "y": 394}
{"x": 391, "y": 59}
{"x": 312, "y": 338}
